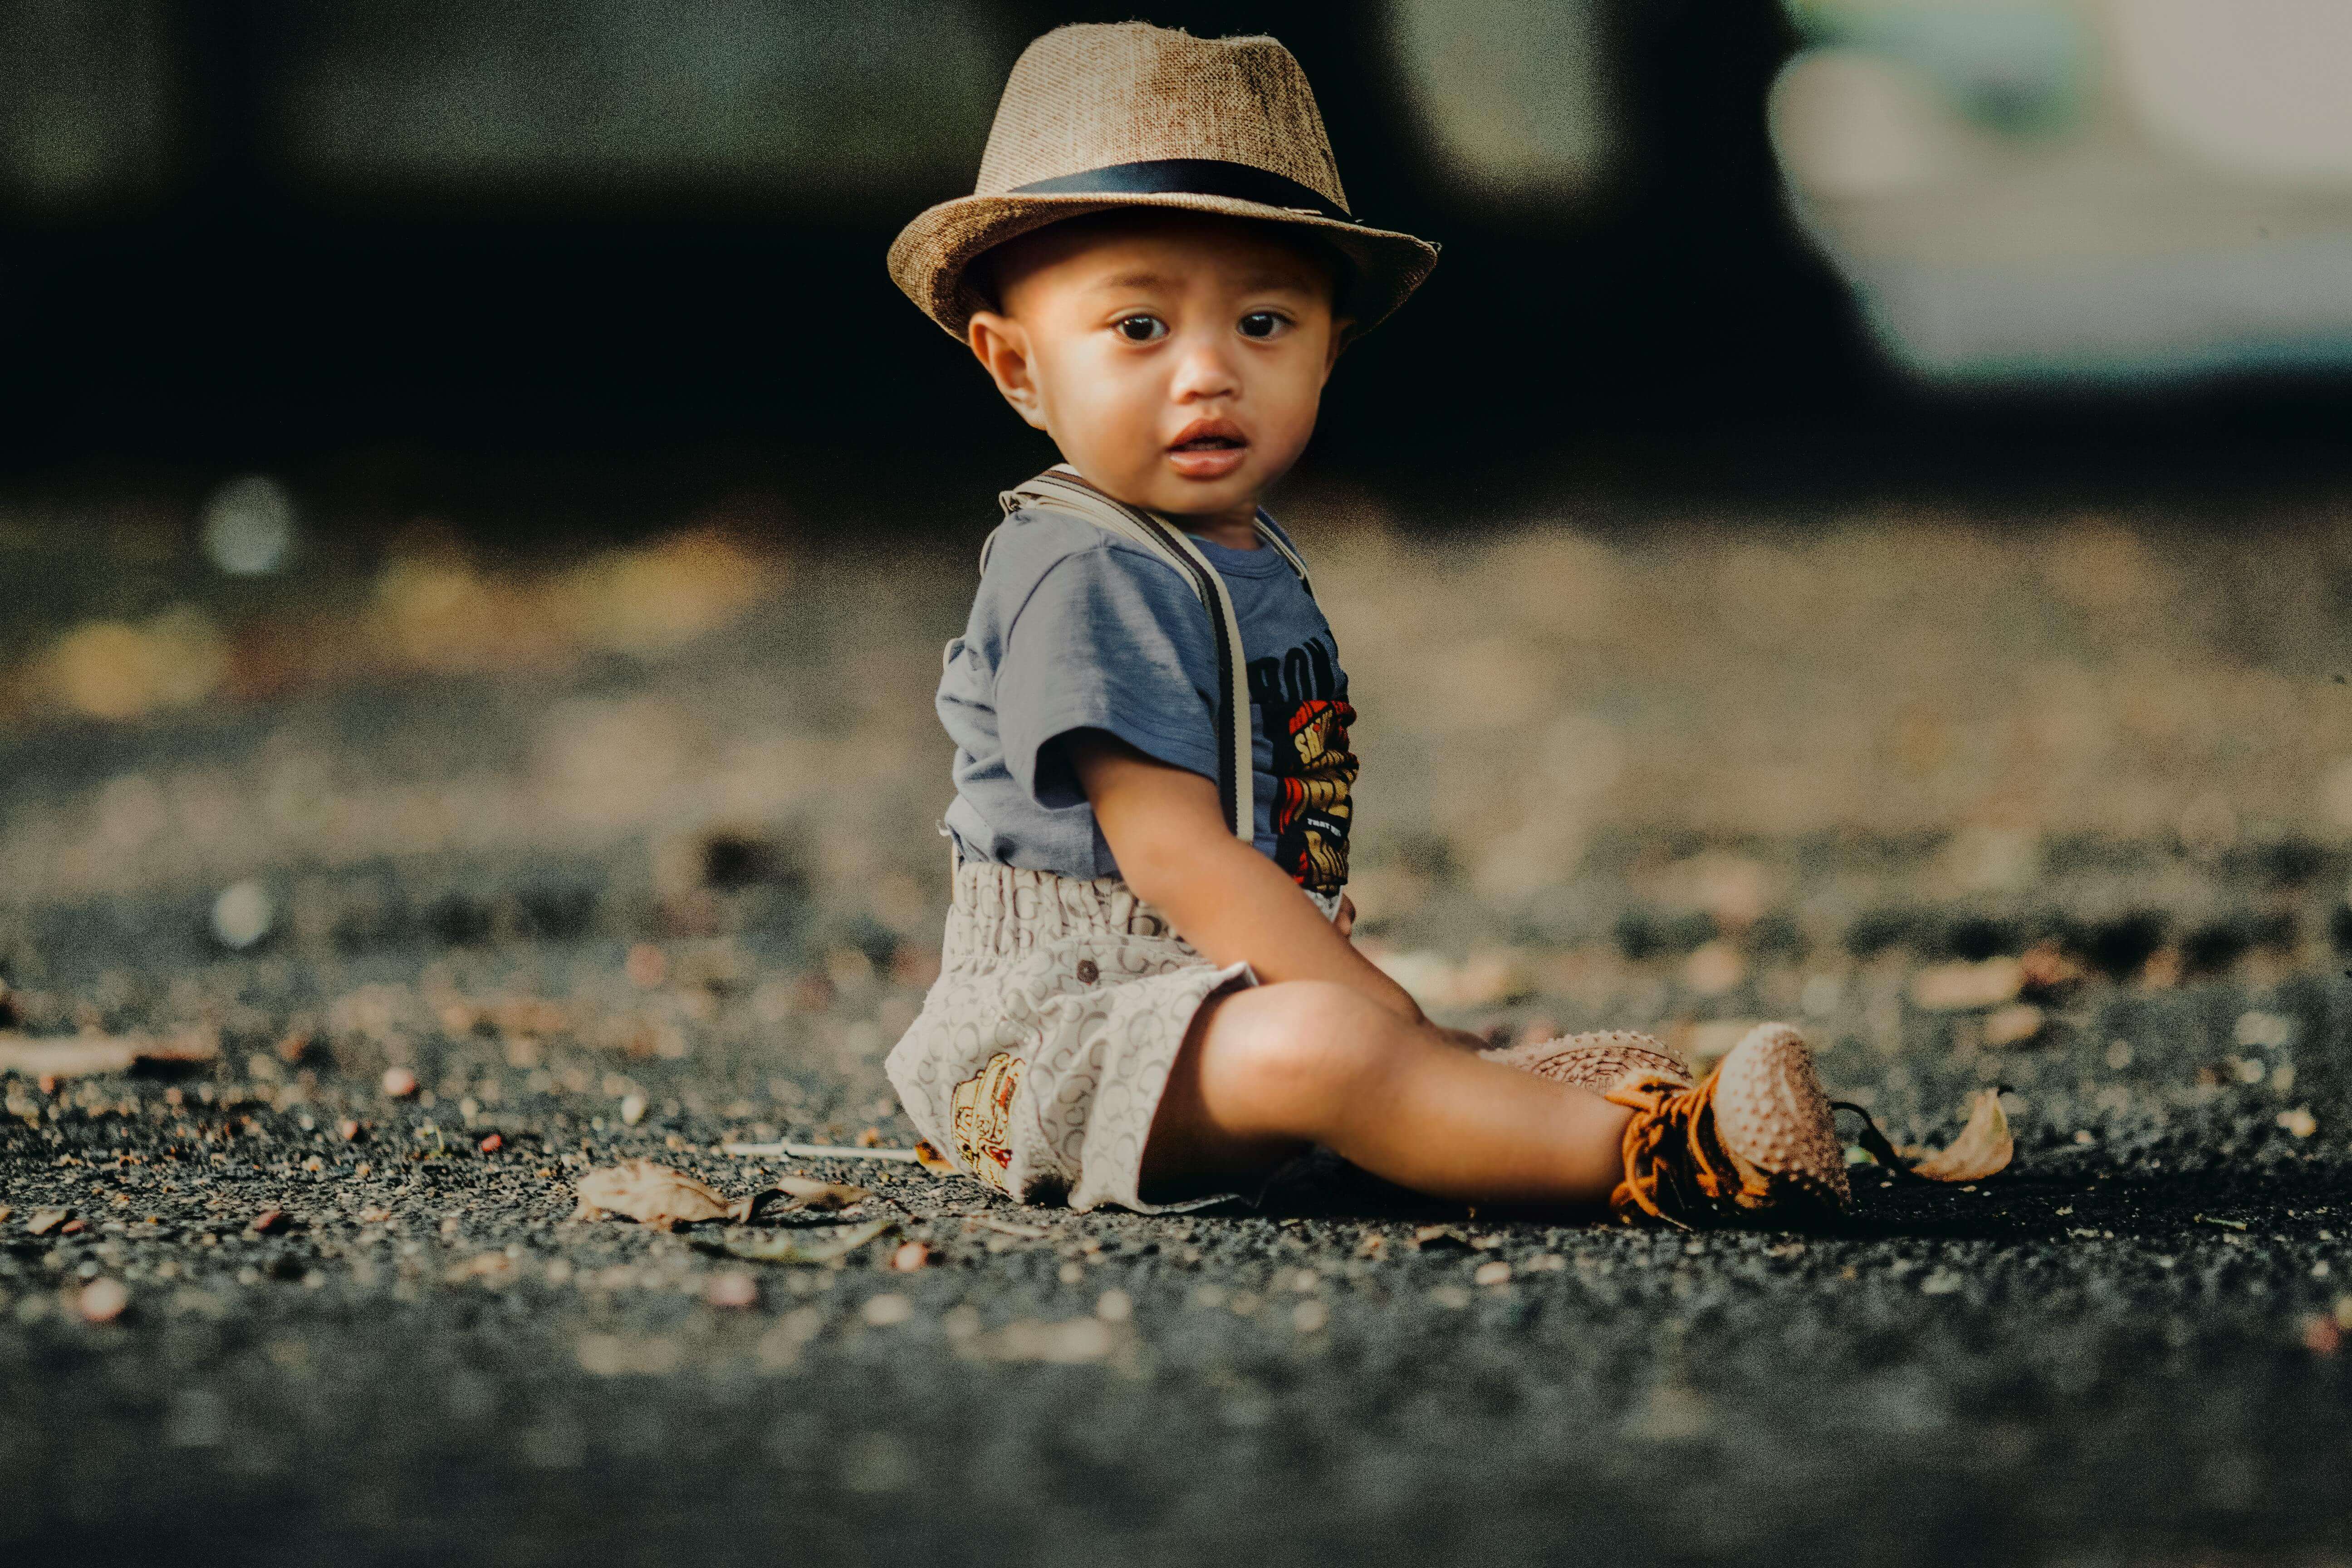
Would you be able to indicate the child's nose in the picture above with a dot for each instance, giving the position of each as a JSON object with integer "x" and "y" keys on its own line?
{"x": 1205, "y": 366}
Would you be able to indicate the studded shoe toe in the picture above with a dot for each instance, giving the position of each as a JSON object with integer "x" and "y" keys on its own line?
{"x": 1755, "y": 1136}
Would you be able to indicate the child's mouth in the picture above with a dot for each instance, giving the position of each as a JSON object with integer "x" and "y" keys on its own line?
{"x": 1207, "y": 457}
{"x": 1210, "y": 449}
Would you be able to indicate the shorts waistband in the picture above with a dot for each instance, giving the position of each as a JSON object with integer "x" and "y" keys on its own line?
{"x": 1010, "y": 909}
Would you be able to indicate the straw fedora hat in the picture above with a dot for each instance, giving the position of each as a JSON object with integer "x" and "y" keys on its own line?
{"x": 1111, "y": 114}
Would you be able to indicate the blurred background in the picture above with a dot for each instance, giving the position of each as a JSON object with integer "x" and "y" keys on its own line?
{"x": 1831, "y": 238}
{"x": 1869, "y": 476}
{"x": 1857, "y": 530}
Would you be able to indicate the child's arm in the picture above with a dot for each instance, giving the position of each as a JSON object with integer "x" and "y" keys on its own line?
{"x": 1168, "y": 832}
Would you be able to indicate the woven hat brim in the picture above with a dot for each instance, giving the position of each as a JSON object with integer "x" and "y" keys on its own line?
{"x": 929, "y": 258}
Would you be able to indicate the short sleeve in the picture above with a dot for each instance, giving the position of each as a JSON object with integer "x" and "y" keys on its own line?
{"x": 1108, "y": 639}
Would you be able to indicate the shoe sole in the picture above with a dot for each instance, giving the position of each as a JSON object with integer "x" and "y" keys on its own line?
{"x": 1771, "y": 1112}
{"x": 1596, "y": 1061}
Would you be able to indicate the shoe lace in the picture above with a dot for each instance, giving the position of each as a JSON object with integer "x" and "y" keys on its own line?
{"x": 1675, "y": 1162}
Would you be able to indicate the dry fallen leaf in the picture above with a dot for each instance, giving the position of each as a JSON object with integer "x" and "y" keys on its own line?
{"x": 491, "y": 1268}
{"x": 81, "y": 1055}
{"x": 2013, "y": 1025}
{"x": 808, "y": 1194}
{"x": 65, "y": 1058}
{"x": 43, "y": 1221}
{"x": 1983, "y": 1148}
{"x": 931, "y": 1160}
{"x": 1007, "y": 1227}
{"x": 2046, "y": 967}
{"x": 655, "y": 1195}
{"x": 1957, "y": 987}
{"x": 1064, "y": 1343}
{"x": 829, "y": 1243}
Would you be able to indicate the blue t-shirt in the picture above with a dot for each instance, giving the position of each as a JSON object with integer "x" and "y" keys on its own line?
{"x": 1075, "y": 627}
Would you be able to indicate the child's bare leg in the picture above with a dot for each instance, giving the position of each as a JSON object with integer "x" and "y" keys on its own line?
{"x": 1268, "y": 1069}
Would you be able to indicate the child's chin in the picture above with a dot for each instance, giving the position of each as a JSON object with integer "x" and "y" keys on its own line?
{"x": 1184, "y": 496}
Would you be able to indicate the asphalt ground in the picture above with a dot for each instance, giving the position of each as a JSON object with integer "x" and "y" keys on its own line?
{"x": 642, "y": 895}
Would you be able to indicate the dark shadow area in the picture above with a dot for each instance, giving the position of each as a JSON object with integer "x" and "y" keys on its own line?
{"x": 2056, "y": 1198}
{"x": 1671, "y": 332}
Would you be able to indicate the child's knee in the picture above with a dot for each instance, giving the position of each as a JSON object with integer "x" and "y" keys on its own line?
{"x": 1301, "y": 1042}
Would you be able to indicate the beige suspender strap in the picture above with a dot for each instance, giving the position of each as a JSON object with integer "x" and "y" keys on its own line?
{"x": 1063, "y": 488}
{"x": 1239, "y": 779}
{"x": 1275, "y": 540}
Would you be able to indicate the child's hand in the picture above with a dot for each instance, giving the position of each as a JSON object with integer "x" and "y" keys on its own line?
{"x": 1344, "y": 921}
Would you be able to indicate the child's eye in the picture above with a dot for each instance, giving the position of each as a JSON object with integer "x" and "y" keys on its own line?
{"x": 1140, "y": 329}
{"x": 1262, "y": 323}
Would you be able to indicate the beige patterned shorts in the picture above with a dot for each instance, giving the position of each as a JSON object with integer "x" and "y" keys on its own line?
{"x": 1037, "y": 1062}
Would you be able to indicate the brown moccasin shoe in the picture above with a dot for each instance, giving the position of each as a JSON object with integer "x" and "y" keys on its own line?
{"x": 1595, "y": 1062}
{"x": 1754, "y": 1135}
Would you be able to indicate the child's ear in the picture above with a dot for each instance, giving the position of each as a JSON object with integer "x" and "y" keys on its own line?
{"x": 1340, "y": 325}
{"x": 1002, "y": 346}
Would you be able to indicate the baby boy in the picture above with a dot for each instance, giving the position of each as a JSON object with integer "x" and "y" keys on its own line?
{"x": 1149, "y": 995}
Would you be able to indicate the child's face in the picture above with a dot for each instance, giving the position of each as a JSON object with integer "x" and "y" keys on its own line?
{"x": 1176, "y": 358}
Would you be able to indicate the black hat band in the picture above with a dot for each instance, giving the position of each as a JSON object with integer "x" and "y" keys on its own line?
{"x": 1190, "y": 177}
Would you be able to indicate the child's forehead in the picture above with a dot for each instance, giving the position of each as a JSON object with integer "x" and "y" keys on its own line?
{"x": 1141, "y": 247}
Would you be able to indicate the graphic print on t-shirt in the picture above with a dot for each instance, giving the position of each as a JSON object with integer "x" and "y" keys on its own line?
{"x": 1307, "y": 720}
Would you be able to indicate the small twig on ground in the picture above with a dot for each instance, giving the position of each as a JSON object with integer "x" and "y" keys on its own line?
{"x": 1027, "y": 1232}
{"x": 815, "y": 1151}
